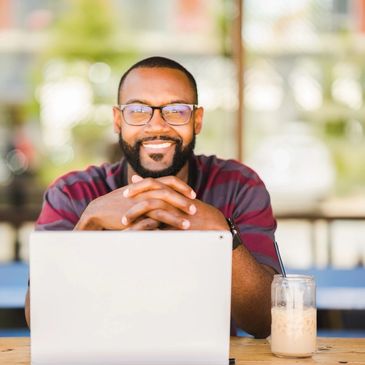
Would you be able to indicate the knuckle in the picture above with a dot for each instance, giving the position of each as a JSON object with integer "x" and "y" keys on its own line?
{"x": 165, "y": 193}
{"x": 159, "y": 213}
{"x": 154, "y": 204}
{"x": 145, "y": 204}
{"x": 150, "y": 223}
{"x": 149, "y": 204}
{"x": 150, "y": 181}
{"x": 169, "y": 179}
{"x": 147, "y": 222}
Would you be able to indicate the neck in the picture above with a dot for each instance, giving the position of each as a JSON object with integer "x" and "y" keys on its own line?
{"x": 183, "y": 174}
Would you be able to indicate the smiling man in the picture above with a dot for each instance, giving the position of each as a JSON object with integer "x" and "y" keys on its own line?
{"x": 161, "y": 184}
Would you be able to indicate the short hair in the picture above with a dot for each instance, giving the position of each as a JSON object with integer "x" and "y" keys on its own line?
{"x": 160, "y": 62}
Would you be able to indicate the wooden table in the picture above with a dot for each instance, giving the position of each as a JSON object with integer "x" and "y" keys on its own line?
{"x": 245, "y": 350}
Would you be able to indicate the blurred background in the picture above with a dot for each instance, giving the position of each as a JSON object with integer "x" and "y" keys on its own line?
{"x": 282, "y": 84}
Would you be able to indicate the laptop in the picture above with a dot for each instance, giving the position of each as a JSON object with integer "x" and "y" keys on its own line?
{"x": 130, "y": 298}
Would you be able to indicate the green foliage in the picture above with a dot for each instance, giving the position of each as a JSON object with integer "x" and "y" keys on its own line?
{"x": 88, "y": 134}
{"x": 349, "y": 165}
{"x": 86, "y": 31}
{"x": 224, "y": 25}
{"x": 336, "y": 128}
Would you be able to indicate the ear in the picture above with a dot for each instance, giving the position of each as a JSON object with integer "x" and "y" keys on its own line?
{"x": 117, "y": 115}
{"x": 198, "y": 119}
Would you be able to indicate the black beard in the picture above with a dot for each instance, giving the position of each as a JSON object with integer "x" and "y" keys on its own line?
{"x": 181, "y": 156}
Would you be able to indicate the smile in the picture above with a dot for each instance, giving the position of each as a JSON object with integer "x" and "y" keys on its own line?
{"x": 157, "y": 146}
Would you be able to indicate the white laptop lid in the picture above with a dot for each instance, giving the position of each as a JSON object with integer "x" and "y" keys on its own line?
{"x": 146, "y": 297}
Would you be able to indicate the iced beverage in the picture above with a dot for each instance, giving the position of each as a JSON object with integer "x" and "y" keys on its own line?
{"x": 293, "y": 331}
{"x": 293, "y": 316}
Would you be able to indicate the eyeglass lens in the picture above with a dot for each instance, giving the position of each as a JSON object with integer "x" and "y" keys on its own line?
{"x": 139, "y": 114}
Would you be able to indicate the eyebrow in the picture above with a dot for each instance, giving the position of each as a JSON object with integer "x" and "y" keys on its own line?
{"x": 141, "y": 101}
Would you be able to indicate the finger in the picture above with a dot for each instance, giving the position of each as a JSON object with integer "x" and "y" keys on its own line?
{"x": 154, "y": 184}
{"x": 177, "y": 184}
{"x": 146, "y": 224}
{"x": 170, "y": 218}
{"x": 162, "y": 212}
{"x": 141, "y": 208}
{"x": 136, "y": 178}
{"x": 155, "y": 199}
{"x": 170, "y": 197}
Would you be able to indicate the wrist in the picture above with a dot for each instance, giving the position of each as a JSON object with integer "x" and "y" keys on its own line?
{"x": 236, "y": 238}
{"x": 87, "y": 221}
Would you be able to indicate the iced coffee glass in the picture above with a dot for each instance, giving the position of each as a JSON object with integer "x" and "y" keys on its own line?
{"x": 294, "y": 316}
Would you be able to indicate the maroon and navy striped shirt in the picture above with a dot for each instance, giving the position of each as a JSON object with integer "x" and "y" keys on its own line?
{"x": 228, "y": 185}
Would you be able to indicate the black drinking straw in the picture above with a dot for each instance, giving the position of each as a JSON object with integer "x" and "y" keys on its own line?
{"x": 279, "y": 258}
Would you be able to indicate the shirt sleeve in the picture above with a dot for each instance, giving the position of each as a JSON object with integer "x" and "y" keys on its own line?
{"x": 58, "y": 212}
{"x": 254, "y": 217}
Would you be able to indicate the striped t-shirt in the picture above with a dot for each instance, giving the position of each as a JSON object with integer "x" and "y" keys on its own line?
{"x": 228, "y": 185}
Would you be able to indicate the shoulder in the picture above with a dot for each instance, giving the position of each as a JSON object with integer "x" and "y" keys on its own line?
{"x": 229, "y": 170}
{"x": 103, "y": 177}
{"x": 229, "y": 185}
{"x": 67, "y": 197}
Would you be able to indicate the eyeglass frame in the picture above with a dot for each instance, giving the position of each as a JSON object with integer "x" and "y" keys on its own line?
{"x": 192, "y": 107}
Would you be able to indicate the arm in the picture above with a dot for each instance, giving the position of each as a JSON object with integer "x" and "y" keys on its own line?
{"x": 251, "y": 293}
{"x": 60, "y": 212}
{"x": 27, "y": 307}
{"x": 106, "y": 212}
{"x": 255, "y": 262}
{"x": 109, "y": 211}
{"x": 251, "y": 281}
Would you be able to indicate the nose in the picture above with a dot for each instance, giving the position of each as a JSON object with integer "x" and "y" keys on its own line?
{"x": 157, "y": 123}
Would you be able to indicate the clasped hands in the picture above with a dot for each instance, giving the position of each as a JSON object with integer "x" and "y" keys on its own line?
{"x": 150, "y": 204}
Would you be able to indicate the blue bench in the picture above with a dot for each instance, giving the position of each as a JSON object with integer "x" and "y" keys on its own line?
{"x": 338, "y": 289}
{"x": 13, "y": 284}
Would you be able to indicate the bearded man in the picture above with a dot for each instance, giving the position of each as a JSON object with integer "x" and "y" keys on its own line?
{"x": 161, "y": 184}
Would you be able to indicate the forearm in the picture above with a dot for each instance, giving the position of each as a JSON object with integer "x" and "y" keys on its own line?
{"x": 27, "y": 308}
{"x": 251, "y": 293}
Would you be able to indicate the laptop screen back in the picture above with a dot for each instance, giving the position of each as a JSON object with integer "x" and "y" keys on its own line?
{"x": 146, "y": 297}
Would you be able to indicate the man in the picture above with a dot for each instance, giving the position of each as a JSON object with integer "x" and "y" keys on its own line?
{"x": 161, "y": 184}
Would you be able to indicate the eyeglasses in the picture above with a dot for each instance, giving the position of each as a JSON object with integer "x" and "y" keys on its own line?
{"x": 141, "y": 114}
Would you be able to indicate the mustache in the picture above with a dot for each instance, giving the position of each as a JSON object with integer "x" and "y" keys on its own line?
{"x": 159, "y": 138}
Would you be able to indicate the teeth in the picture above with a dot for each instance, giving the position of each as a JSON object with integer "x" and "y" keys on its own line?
{"x": 156, "y": 146}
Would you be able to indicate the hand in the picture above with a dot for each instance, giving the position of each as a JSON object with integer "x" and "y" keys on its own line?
{"x": 171, "y": 208}
{"x": 207, "y": 217}
{"x": 167, "y": 200}
{"x": 144, "y": 224}
{"x": 106, "y": 212}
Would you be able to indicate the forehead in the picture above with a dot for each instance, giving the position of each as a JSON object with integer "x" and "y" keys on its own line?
{"x": 156, "y": 86}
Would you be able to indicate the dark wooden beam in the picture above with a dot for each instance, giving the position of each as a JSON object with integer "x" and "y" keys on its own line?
{"x": 238, "y": 54}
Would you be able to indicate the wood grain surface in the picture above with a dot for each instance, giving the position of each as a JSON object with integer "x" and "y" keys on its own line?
{"x": 350, "y": 351}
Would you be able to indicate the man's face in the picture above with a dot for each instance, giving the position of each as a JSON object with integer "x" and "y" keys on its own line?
{"x": 157, "y": 149}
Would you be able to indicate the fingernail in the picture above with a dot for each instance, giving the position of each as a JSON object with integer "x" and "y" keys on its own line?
{"x": 125, "y": 193}
{"x": 136, "y": 178}
{"x": 124, "y": 220}
{"x": 193, "y": 194}
{"x": 192, "y": 209}
{"x": 185, "y": 224}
